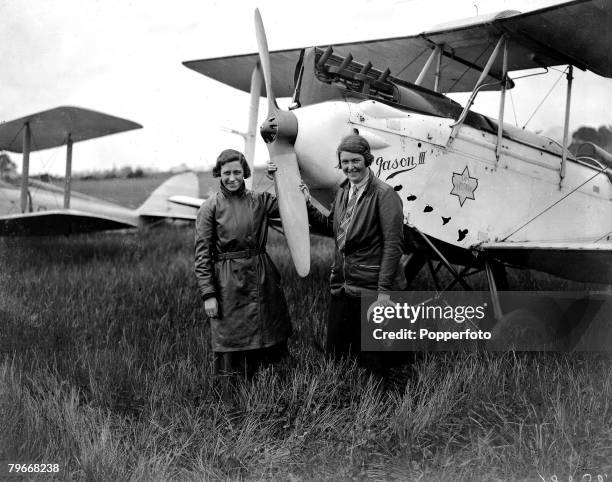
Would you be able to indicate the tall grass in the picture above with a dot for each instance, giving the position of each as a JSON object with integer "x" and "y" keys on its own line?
{"x": 106, "y": 370}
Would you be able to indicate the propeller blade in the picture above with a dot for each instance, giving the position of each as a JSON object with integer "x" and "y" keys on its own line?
{"x": 264, "y": 60}
{"x": 291, "y": 204}
{"x": 279, "y": 132}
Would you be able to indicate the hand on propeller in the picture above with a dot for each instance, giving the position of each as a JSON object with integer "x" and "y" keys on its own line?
{"x": 272, "y": 168}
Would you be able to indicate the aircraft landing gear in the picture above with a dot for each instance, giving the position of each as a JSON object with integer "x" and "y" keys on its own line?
{"x": 518, "y": 321}
{"x": 526, "y": 330}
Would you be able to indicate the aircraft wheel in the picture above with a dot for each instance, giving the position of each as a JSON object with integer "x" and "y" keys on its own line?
{"x": 525, "y": 330}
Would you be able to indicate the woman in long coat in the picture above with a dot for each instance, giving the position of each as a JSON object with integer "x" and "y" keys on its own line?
{"x": 237, "y": 279}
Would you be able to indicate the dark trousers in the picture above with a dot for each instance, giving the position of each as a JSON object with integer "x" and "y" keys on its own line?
{"x": 343, "y": 325}
{"x": 344, "y": 336}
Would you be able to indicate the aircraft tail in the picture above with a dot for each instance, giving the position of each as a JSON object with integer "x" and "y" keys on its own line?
{"x": 158, "y": 205}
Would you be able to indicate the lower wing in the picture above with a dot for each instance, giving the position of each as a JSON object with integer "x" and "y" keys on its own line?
{"x": 588, "y": 262}
{"x": 60, "y": 221}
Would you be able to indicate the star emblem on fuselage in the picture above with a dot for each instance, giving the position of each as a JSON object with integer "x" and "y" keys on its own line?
{"x": 464, "y": 185}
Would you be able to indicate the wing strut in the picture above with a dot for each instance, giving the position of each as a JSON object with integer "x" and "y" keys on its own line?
{"x": 438, "y": 76}
{"x": 502, "y": 102}
{"x": 568, "y": 99}
{"x": 483, "y": 75}
{"x": 497, "y": 310}
{"x": 68, "y": 172}
{"x": 435, "y": 53}
{"x": 444, "y": 261}
{"x": 25, "y": 168}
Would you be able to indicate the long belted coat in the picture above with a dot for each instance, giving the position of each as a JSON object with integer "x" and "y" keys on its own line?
{"x": 252, "y": 308}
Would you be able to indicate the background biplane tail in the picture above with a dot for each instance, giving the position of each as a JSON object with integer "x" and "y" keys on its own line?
{"x": 158, "y": 204}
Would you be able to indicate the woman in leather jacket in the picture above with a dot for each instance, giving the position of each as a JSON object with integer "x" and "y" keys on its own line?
{"x": 236, "y": 277}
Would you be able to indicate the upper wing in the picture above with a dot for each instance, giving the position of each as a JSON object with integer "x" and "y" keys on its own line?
{"x": 575, "y": 32}
{"x": 60, "y": 221}
{"x": 236, "y": 70}
{"x": 590, "y": 262}
{"x": 50, "y": 128}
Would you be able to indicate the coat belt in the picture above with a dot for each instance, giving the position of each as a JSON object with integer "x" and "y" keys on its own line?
{"x": 245, "y": 253}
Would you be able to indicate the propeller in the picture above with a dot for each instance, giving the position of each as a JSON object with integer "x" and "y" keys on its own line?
{"x": 279, "y": 132}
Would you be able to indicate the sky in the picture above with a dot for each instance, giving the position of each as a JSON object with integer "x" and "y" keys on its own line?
{"x": 124, "y": 57}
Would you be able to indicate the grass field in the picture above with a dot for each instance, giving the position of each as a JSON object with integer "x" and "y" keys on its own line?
{"x": 106, "y": 370}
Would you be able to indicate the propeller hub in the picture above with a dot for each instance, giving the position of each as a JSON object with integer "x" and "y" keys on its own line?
{"x": 280, "y": 124}
{"x": 269, "y": 130}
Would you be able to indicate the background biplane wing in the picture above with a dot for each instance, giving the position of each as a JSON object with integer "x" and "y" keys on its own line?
{"x": 60, "y": 221}
{"x": 575, "y": 32}
{"x": 39, "y": 202}
{"x": 50, "y": 128}
{"x": 589, "y": 262}
{"x": 92, "y": 214}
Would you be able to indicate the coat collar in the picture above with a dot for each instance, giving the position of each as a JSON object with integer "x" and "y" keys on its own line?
{"x": 239, "y": 193}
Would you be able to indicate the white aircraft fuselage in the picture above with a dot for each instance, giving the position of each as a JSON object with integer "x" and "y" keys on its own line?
{"x": 460, "y": 194}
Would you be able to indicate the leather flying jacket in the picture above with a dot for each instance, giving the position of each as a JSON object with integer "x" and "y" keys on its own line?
{"x": 232, "y": 265}
{"x": 372, "y": 252}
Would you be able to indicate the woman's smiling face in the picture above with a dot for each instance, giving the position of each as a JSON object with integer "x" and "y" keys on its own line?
{"x": 232, "y": 175}
{"x": 353, "y": 165}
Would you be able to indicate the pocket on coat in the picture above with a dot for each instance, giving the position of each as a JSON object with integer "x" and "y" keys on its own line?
{"x": 365, "y": 276}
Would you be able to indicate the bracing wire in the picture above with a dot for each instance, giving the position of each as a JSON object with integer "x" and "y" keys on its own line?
{"x": 16, "y": 135}
{"x": 544, "y": 99}
{"x": 469, "y": 68}
{"x": 45, "y": 164}
{"x": 604, "y": 236}
{"x": 410, "y": 63}
{"x": 555, "y": 203}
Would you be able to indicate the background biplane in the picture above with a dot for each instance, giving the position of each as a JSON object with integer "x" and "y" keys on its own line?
{"x": 39, "y": 208}
{"x": 477, "y": 192}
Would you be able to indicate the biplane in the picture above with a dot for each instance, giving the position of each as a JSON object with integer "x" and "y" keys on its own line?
{"x": 40, "y": 208}
{"x": 478, "y": 193}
